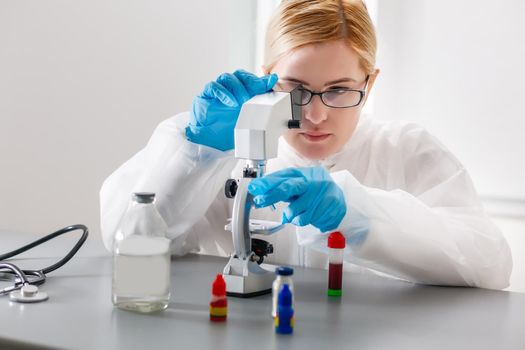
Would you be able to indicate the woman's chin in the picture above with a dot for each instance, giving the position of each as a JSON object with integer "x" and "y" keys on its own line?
{"x": 313, "y": 152}
{"x": 317, "y": 149}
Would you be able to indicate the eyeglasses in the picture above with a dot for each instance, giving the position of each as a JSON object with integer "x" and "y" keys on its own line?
{"x": 334, "y": 98}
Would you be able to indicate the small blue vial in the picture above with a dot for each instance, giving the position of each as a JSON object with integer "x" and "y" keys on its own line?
{"x": 284, "y": 322}
{"x": 284, "y": 276}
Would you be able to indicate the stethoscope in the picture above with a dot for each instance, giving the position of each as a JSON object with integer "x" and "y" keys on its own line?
{"x": 26, "y": 282}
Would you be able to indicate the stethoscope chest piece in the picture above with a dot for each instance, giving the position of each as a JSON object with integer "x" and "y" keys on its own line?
{"x": 28, "y": 294}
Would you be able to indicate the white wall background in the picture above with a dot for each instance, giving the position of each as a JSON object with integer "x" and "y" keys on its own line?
{"x": 457, "y": 67}
{"x": 84, "y": 83}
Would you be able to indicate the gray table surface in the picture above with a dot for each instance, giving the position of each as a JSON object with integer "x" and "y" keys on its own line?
{"x": 374, "y": 312}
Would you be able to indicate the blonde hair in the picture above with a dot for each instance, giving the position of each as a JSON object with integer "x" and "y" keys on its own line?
{"x": 296, "y": 23}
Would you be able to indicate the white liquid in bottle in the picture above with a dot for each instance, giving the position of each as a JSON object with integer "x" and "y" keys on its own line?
{"x": 141, "y": 273}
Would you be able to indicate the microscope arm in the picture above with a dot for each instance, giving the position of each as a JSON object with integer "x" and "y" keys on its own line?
{"x": 240, "y": 221}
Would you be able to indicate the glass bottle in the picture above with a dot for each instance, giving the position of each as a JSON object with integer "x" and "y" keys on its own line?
{"x": 141, "y": 258}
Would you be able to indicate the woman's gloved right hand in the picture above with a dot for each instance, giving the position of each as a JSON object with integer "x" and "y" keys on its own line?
{"x": 215, "y": 110}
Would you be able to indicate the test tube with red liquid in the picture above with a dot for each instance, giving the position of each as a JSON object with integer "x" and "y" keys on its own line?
{"x": 336, "y": 247}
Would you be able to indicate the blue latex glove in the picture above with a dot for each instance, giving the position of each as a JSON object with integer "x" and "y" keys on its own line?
{"x": 313, "y": 196}
{"x": 215, "y": 111}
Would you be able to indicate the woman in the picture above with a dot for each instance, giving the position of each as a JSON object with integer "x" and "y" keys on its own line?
{"x": 405, "y": 204}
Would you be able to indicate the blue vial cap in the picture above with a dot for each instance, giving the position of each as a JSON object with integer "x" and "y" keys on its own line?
{"x": 284, "y": 271}
{"x": 285, "y": 296}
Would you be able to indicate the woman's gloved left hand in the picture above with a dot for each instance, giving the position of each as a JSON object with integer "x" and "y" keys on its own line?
{"x": 313, "y": 196}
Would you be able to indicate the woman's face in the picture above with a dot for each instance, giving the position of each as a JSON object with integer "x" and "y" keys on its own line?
{"x": 321, "y": 67}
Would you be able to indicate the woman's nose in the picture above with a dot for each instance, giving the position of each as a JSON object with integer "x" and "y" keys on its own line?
{"x": 316, "y": 112}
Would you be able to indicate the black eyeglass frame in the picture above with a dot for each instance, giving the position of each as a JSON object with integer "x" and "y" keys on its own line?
{"x": 362, "y": 94}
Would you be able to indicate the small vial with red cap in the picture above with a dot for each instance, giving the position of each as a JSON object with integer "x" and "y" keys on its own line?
{"x": 219, "y": 303}
{"x": 336, "y": 247}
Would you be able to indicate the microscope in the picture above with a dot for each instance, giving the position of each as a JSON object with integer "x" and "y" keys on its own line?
{"x": 262, "y": 120}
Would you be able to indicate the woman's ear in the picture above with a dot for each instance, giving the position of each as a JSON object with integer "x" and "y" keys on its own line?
{"x": 371, "y": 80}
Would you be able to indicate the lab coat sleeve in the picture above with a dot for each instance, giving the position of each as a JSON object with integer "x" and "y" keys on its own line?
{"x": 435, "y": 231}
{"x": 186, "y": 178}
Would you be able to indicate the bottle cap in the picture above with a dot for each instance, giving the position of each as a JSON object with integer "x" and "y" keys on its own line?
{"x": 143, "y": 197}
{"x": 284, "y": 271}
{"x": 218, "y": 287}
{"x": 285, "y": 296}
{"x": 336, "y": 240}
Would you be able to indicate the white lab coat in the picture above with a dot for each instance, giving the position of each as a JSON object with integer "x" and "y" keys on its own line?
{"x": 412, "y": 211}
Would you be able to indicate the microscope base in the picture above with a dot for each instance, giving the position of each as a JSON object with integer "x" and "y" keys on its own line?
{"x": 246, "y": 279}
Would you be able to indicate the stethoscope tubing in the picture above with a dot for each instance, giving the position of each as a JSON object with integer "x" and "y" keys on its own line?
{"x": 39, "y": 275}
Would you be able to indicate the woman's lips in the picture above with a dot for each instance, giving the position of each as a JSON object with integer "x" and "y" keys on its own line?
{"x": 314, "y": 136}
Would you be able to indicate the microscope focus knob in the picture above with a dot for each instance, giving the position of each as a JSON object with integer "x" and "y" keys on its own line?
{"x": 230, "y": 189}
